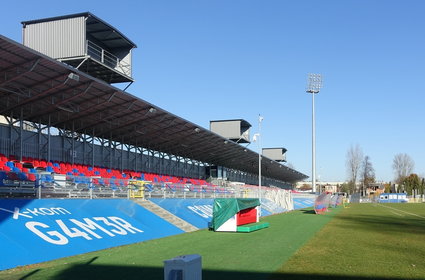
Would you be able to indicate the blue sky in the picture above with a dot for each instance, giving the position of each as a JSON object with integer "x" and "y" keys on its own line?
{"x": 224, "y": 59}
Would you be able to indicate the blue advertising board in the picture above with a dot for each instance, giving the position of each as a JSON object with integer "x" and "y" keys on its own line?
{"x": 33, "y": 231}
{"x": 198, "y": 212}
{"x": 302, "y": 202}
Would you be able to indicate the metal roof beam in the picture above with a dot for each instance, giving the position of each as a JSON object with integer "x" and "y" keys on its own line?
{"x": 54, "y": 106}
{"x": 34, "y": 97}
{"x": 87, "y": 111}
{"x": 30, "y": 69}
{"x": 174, "y": 141}
{"x": 102, "y": 120}
{"x": 126, "y": 127}
{"x": 32, "y": 88}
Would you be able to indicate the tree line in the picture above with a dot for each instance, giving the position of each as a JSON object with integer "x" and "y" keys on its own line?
{"x": 362, "y": 174}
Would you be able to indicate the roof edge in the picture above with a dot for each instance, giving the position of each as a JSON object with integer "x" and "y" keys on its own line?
{"x": 83, "y": 14}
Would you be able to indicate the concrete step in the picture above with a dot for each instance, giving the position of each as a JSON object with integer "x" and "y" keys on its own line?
{"x": 166, "y": 215}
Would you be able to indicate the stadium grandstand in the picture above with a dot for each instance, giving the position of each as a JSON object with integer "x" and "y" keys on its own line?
{"x": 67, "y": 132}
{"x": 58, "y": 113}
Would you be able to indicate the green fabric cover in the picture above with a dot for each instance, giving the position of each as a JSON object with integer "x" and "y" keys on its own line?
{"x": 225, "y": 208}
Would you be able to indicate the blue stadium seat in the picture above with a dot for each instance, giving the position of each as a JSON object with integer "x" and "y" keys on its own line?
{"x": 16, "y": 169}
{"x": 3, "y": 175}
{"x": 22, "y": 176}
{"x": 12, "y": 176}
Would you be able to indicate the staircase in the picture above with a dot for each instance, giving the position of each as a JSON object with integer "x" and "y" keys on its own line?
{"x": 169, "y": 217}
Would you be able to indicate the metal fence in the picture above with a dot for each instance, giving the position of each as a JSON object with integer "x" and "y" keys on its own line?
{"x": 50, "y": 185}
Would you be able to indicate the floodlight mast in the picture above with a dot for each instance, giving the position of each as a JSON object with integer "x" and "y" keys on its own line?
{"x": 313, "y": 87}
{"x": 257, "y": 138}
{"x": 260, "y": 155}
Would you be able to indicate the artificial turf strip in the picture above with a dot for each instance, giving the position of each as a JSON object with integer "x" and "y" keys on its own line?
{"x": 252, "y": 227}
{"x": 365, "y": 241}
{"x": 224, "y": 255}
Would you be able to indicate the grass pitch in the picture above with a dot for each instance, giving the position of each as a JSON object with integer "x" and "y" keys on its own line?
{"x": 365, "y": 241}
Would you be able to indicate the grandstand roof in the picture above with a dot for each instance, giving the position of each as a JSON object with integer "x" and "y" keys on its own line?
{"x": 40, "y": 89}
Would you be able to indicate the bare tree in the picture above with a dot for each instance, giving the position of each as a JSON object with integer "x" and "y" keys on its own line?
{"x": 354, "y": 161}
{"x": 368, "y": 173}
{"x": 403, "y": 165}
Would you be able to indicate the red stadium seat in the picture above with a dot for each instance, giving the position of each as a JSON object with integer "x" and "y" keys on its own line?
{"x": 31, "y": 177}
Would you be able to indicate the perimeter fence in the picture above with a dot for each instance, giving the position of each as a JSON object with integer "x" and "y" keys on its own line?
{"x": 51, "y": 185}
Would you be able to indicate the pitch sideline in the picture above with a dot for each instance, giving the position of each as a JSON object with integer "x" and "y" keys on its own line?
{"x": 402, "y": 211}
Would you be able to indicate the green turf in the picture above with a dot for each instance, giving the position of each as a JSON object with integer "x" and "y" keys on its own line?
{"x": 224, "y": 255}
{"x": 365, "y": 241}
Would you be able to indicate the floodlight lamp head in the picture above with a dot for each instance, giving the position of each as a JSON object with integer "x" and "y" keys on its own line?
{"x": 74, "y": 77}
{"x": 65, "y": 109}
{"x": 260, "y": 118}
{"x": 314, "y": 83}
{"x": 152, "y": 110}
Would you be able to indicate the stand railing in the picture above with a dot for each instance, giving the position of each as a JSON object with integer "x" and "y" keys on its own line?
{"x": 101, "y": 55}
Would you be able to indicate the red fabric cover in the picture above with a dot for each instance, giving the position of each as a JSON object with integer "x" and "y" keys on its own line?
{"x": 246, "y": 216}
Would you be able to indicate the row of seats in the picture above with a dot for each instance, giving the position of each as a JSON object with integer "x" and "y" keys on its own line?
{"x": 29, "y": 167}
{"x": 14, "y": 176}
{"x": 194, "y": 188}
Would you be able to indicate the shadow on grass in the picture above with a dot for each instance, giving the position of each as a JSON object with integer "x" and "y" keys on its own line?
{"x": 30, "y": 274}
{"x": 308, "y": 211}
{"x": 105, "y": 272}
{"x": 389, "y": 223}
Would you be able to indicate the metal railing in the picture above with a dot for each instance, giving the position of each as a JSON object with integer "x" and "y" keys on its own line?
{"x": 45, "y": 184}
{"x": 48, "y": 185}
{"x": 98, "y": 53}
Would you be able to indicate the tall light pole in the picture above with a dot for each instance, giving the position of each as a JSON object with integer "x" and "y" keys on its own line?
{"x": 313, "y": 86}
{"x": 257, "y": 138}
{"x": 260, "y": 153}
